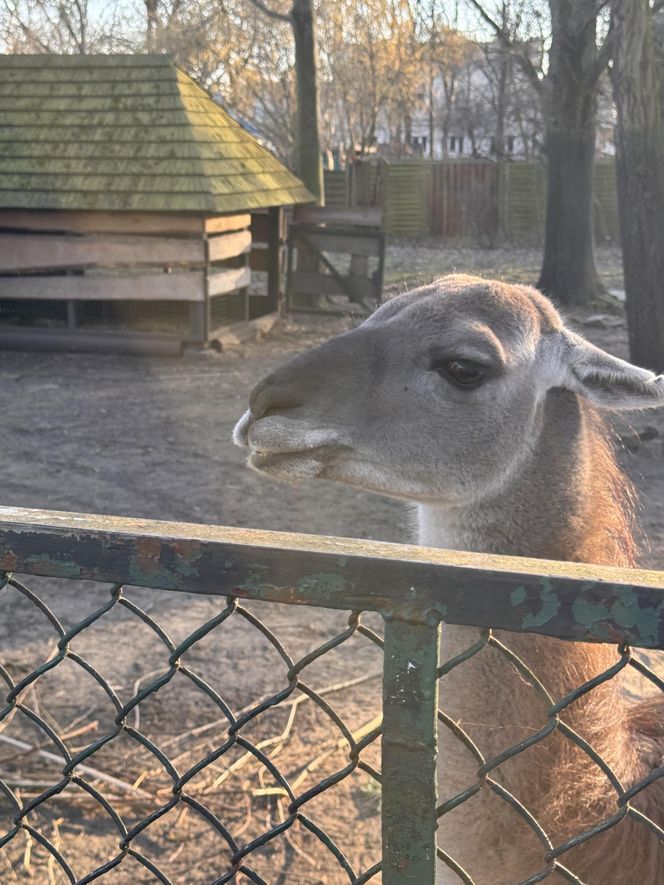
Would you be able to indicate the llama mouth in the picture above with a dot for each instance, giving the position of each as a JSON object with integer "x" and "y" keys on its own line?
{"x": 293, "y": 463}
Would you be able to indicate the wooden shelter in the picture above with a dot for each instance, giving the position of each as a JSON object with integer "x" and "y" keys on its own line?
{"x": 127, "y": 203}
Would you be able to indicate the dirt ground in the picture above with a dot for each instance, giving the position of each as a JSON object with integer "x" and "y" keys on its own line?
{"x": 150, "y": 437}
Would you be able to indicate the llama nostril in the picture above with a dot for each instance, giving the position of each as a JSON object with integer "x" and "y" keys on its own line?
{"x": 266, "y": 401}
{"x": 277, "y": 410}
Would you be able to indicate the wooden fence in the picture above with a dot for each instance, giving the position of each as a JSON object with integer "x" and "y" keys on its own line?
{"x": 470, "y": 199}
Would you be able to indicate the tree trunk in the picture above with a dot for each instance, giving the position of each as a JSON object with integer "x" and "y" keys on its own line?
{"x": 151, "y": 24}
{"x": 568, "y": 267}
{"x": 640, "y": 171}
{"x": 504, "y": 80}
{"x": 310, "y": 166}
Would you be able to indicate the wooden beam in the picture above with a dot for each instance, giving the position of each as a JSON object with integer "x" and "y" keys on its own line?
{"x": 226, "y": 246}
{"x": 325, "y": 284}
{"x": 331, "y": 240}
{"x": 102, "y": 222}
{"x": 226, "y": 223}
{"x": 136, "y": 287}
{"x": 91, "y": 341}
{"x": 360, "y": 217}
{"x": 228, "y": 280}
{"x": 36, "y": 252}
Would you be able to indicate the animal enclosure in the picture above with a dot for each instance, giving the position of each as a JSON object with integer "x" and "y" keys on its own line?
{"x": 410, "y": 589}
{"x": 128, "y": 199}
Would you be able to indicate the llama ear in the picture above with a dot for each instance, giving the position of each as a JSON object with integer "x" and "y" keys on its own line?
{"x": 605, "y": 380}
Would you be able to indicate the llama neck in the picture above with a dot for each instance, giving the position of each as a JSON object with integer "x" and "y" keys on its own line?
{"x": 568, "y": 501}
{"x": 563, "y": 504}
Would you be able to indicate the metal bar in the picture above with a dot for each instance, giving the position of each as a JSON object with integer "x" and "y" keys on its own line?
{"x": 567, "y": 600}
{"x": 409, "y": 745}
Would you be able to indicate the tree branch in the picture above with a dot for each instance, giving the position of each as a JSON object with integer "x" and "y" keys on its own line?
{"x": 279, "y": 16}
{"x": 500, "y": 32}
{"x": 521, "y": 58}
{"x": 604, "y": 54}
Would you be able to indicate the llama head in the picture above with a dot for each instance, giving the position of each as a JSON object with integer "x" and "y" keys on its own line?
{"x": 436, "y": 397}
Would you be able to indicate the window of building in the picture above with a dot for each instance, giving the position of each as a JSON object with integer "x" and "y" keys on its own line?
{"x": 456, "y": 144}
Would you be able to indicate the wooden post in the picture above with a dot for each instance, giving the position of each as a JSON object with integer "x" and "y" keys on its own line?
{"x": 199, "y": 311}
{"x": 71, "y": 314}
{"x": 275, "y": 222}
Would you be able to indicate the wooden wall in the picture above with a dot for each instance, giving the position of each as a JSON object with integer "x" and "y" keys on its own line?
{"x": 80, "y": 259}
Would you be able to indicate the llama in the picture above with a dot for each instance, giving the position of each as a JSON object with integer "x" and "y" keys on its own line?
{"x": 474, "y": 401}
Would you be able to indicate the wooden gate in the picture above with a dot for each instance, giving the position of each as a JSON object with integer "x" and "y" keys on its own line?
{"x": 336, "y": 260}
{"x": 463, "y": 199}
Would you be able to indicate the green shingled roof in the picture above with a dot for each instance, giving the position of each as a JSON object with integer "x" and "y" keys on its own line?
{"x": 126, "y": 133}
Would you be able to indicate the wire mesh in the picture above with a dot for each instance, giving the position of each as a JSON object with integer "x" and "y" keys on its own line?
{"x": 190, "y": 814}
{"x": 134, "y": 804}
{"x": 34, "y": 312}
{"x": 619, "y": 801}
{"x": 169, "y": 317}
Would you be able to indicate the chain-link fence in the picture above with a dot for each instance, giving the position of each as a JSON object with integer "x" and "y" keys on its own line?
{"x": 205, "y": 737}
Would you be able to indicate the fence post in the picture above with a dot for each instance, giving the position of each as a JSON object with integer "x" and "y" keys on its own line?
{"x": 410, "y": 703}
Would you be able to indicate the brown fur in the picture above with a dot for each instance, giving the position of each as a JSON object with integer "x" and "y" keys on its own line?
{"x": 558, "y": 782}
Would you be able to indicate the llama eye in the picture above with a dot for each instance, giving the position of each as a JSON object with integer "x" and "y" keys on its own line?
{"x": 463, "y": 373}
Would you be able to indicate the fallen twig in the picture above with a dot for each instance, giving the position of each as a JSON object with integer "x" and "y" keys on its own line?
{"x": 84, "y": 769}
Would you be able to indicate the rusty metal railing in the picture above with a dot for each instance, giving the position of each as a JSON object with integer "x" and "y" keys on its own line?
{"x": 412, "y": 589}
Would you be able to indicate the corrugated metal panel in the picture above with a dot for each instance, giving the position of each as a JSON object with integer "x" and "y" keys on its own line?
{"x": 126, "y": 133}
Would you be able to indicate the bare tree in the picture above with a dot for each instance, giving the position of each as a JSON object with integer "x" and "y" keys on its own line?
{"x": 301, "y": 20}
{"x": 568, "y": 94}
{"x": 635, "y": 75}
{"x": 67, "y": 26}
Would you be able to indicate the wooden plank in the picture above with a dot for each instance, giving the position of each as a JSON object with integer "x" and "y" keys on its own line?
{"x": 229, "y": 245}
{"x": 347, "y": 243}
{"x": 39, "y": 252}
{"x": 88, "y": 341}
{"x": 129, "y": 287}
{"x": 228, "y": 280}
{"x": 102, "y": 222}
{"x": 326, "y": 284}
{"x": 566, "y": 599}
{"x": 360, "y": 217}
{"x": 226, "y": 223}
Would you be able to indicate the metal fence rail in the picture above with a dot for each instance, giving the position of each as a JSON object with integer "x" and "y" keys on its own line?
{"x": 412, "y": 589}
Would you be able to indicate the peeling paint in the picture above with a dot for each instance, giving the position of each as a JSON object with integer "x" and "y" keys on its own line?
{"x": 625, "y": 612}
{"x": 518, "y": 595}
{"x": 44, "y": 564}
{"x": 549, "y": 609}
{"x": 324, "y": 582}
